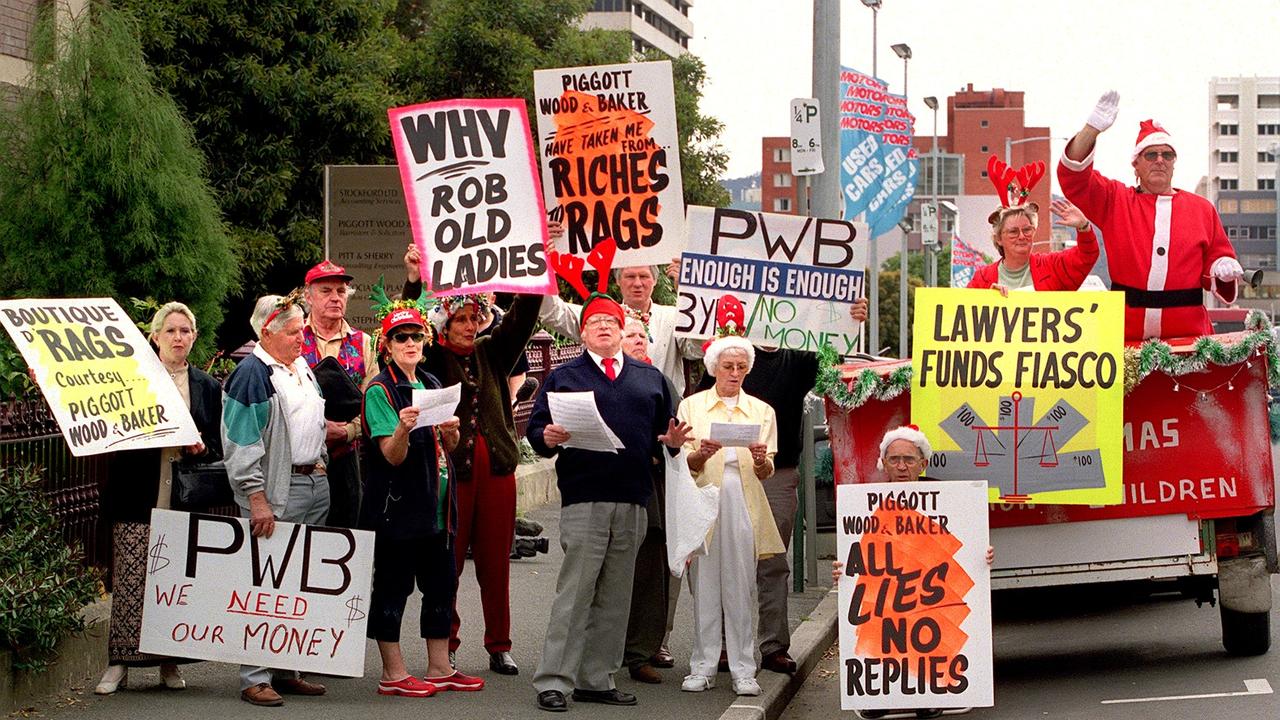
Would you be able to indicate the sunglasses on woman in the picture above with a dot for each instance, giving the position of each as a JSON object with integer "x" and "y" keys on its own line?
{"x": 406, "y": 337}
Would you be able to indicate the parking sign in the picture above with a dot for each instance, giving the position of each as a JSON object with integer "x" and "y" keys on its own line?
{"x": 806, "y": 137}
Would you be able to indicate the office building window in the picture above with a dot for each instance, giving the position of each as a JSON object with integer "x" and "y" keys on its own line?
{"x": 984, "y": 123}
{"x": 1226, "y": 129}
{"x": 1268, "y": 129}
{"x": 1259, "y": 205}
{"x": 782, "y": 180}
{"x": 1228, "y": 184}
{"x": 1266, "y": 157}
{"x": 1228, "y": 206}
{"x": 782, "y": 204}
{"x": 1266, "y": 183}
{"x": 984, "y": 149}
{"x": 1228, "y": 156}
{"x": 781, "y": 155}
{"x": 1228, "y": 102}
{"x": 1269, "y": 102}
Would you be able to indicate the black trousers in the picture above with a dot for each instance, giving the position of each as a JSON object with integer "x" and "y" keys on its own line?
{"x": 397, "y": 564}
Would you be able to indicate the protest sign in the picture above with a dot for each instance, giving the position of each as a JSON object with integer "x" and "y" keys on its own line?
{"x": 298, "y": 600}
{"x": 862, "y": 114}
{"x": 795, "y": 277}
{"x": 611, "y": 159}
{"x": 915, "y": 598}
{"x": 103, "y": 382}
{"x": 470, "y": 183}
{"x": 1025, "y": 392}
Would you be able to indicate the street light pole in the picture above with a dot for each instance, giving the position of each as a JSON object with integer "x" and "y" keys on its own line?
{"x": 903, "y": 51}
{"x": 825, "y": 187}
{"x": 931, "y": 102}
{"x": 873, "y": 261}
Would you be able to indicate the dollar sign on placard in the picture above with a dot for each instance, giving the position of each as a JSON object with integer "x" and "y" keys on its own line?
{"x": 157, "y": 556}
{"x": 353, "y": 605}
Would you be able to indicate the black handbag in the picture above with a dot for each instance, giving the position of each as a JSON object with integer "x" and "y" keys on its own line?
{"x": 198, "y": 487}
{"x": 342, "y": 397}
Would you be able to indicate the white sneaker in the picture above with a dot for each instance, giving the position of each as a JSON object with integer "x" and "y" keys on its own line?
{"x": 698, "y": 683}
{"x": 171, "y": 678}
{"x": 746, "y": 686}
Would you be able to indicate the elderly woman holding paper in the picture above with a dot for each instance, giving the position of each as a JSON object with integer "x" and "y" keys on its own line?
{"x": 411, "y": 503}
{"x": 736, "y": 461}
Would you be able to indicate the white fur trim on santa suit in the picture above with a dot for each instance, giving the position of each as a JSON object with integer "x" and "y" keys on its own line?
{"x": 908, "y": 433}
{"x": 1077, "y": 165}
{"x": 719, "y": 345}
{"x": 1159, "y": 262}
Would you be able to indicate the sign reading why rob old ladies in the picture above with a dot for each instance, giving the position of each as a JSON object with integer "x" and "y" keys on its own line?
{"x": 106, "y": 387}
{"x": 298, "y": 600}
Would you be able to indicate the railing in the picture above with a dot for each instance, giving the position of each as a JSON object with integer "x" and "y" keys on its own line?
{"x": 544, "y": 356}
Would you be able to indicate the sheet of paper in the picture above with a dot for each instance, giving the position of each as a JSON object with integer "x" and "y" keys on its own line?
{"x": 436, "y": 405}
{"x": 577, "y": 413}
{"x": 735, "y": 435}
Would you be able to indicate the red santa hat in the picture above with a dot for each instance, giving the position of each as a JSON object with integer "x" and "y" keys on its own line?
{"x": 601, "y": 304}
{"x": 731, "y": 323}
{"x": 1151, "y": 133}
{"x": 910, "y": 433}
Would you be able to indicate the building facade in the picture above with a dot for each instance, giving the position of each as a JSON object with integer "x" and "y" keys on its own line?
{"x": 779, "y": 189}
{"x": 653, "y": 24}
{"x": 17, "y": 22}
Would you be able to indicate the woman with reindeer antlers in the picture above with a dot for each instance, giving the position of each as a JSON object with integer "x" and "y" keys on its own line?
{"x": 1014, "y": 225}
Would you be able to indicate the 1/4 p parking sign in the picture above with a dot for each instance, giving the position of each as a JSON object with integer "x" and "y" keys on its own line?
{"x": 806, "y": 137}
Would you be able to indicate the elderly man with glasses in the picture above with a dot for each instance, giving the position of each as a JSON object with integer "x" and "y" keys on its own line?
{"x": 1164, "y": 246}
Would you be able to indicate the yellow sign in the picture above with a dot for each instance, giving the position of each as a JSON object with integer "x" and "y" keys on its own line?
{"x": 1025, "y": 392}
{"x": 104, "y": 384}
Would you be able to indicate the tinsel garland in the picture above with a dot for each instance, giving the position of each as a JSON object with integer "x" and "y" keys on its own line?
{"x": 1153, "y": 355}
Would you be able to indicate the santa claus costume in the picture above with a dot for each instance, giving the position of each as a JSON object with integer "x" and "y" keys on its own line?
{"x": 1160, "y": 248}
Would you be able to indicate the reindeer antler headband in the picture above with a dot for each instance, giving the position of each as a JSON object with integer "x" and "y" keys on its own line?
{"x": 1013, "y": 186}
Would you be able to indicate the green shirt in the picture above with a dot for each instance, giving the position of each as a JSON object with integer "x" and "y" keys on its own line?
{"x": 383, "y": 419}
{"x": 1015, "y": 280}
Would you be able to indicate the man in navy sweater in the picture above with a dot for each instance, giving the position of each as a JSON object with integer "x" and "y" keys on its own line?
{"x": 602, "y": 516}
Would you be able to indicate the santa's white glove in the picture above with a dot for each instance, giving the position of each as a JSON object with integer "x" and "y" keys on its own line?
{"x": 1226, "y": 269}
{"x": 1104, "y": 113}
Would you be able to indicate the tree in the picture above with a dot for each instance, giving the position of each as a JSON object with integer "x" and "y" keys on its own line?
{"x": 102, "y": 189}
{"x": 702, "y": 160}
{"x": 276, "y": 90}
{"x": 916, "y": 263}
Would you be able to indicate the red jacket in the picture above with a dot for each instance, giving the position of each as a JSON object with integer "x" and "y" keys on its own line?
{"x": 1063, "y": 270}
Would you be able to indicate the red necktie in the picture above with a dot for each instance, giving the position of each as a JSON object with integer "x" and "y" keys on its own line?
{"x": 608, "y": 368}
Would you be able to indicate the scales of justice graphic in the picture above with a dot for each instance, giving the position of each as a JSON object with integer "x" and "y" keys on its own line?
{"x": 1016, "y": 455}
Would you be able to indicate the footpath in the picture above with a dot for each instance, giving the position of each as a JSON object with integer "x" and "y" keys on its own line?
{"x": 213, "y": 688}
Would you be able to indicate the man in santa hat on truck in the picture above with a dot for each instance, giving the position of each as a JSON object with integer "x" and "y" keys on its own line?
{"x": 1164, "y": 246}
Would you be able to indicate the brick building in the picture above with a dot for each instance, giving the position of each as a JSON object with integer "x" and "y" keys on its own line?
{"x": 17, "y": 18}
{"x": 779, "y": 189}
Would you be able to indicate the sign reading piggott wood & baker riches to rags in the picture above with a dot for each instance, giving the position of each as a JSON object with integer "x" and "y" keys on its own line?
{"x": 470, "y": 183}
{"x": 104, "y": 384}
{"x": 1025, "y": 392}
{"x": 796, "y": 277}
{"x": 611, "y": 159}
{"x": 298, "y": 600}
{"x": 915, "y": 599}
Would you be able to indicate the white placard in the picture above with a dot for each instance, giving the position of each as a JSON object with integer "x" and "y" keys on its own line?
{"x": 806, "y": 137}
{"x": 298, "y": 600}
{"x": 104, "y": 383}
{"x": 470, "y": 183}
{"x": 436, "y": 405}
{"x": 915, "y": 600}
{"x": 611, "y": 159}
{"x": 796, "y": 277}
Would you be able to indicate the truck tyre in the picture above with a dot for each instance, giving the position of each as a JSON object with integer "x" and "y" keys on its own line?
{"x": 1244, "y": 603}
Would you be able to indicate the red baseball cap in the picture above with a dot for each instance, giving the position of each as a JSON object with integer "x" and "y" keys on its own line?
{"x": 327, "y": 270}
{"x": 398, "y": 318}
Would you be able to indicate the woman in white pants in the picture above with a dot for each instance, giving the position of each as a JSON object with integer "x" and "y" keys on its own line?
{"x": 724, "y": 580}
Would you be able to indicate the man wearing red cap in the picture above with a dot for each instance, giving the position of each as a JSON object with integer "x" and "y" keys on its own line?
{"x": 602, "y": 517}
{"x": 1164, "y": 246}
{"x": 328, "y": 335}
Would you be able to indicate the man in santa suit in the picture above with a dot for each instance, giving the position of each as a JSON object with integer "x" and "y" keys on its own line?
{"x": 1164, "y": 246}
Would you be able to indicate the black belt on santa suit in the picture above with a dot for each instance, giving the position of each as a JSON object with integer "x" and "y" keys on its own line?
{"x": 1137, "y": 297}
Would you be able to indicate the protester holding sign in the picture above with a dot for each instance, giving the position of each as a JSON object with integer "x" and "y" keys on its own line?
{"x": 486, "y": 457}
{"x": 273, "y": 431}
{"x": 412, "y": 507}
{"x": 744, "y": 532}
{"x": 139, "y": 480}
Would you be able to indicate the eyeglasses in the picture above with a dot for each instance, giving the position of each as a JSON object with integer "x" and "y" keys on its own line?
{"x": 602, "y": 320}
{"x": 406, "y": 337}
{"x": 903, "y": 460}
{"x": 1153, "y": 155}
{"x": 1015, "y": 232}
